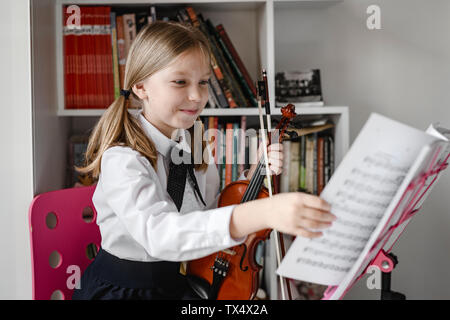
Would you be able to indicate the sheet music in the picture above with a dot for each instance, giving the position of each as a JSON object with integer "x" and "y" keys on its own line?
{"x": 360, "y": 193}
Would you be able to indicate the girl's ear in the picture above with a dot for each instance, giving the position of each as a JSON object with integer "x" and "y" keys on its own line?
{"x": 140, "y": 91}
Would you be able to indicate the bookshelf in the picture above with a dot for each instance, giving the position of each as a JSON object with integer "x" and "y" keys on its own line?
{"x": 250, "y": 25}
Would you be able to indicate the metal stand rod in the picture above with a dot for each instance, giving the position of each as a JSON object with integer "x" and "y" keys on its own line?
{"x": 386, "y": 292}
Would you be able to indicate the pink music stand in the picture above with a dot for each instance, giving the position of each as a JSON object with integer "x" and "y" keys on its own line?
{"x": 384, "y": 259}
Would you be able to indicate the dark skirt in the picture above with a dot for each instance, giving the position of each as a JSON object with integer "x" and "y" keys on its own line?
{"x": 111, "y": 278}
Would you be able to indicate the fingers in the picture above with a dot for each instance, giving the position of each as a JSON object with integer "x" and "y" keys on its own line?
{"x": 317, "y": 215}
{"x": 275, "y": 156}
{"x": 314, "y": 202}
{"x": 314, "y": 216}
{"x": 308, "y": 234}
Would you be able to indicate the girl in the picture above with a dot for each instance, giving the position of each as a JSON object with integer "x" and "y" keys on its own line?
{"x": 146, "y": 230}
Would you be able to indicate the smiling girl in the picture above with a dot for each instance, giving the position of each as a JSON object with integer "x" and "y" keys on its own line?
{"x": 145, "y": 232}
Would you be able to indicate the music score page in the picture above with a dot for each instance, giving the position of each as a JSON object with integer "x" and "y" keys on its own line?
{"x": 361, "y": 193}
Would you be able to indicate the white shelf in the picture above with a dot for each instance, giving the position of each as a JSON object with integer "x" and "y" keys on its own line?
{"x": 220, "y": 112}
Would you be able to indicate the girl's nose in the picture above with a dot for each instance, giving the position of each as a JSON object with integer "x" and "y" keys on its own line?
{"x": 195, "y": 94}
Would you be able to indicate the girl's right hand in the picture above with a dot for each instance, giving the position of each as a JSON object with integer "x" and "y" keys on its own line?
{"x": 298, "y": 214}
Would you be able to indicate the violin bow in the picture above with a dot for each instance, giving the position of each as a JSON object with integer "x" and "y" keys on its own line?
{"x": 263, "y": 93}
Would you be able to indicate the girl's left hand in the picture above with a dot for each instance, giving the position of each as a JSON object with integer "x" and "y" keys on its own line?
{"x": 275, "y": 156}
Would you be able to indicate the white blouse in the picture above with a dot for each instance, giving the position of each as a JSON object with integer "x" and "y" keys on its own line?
{"x": 139, "y": 221}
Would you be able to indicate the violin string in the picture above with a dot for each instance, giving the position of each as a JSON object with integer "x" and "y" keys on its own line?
{"x": 251, "y": 189}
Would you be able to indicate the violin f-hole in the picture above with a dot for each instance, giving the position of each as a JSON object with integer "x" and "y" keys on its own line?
{"x": 242, "y": 258}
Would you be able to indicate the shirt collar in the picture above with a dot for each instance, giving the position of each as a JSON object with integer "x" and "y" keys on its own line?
{"x": 162, "y": 143}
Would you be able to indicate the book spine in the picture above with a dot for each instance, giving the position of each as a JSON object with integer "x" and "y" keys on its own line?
{"x": 294, "y": 166}
{"x": 216, "y": 64}
{"x": 107, "y": 56}
{"x": 284, "y": 181}
{"x": 218, "y": 155}
{"x": 223, "y": 34}
{"x": 83, "y": 54}
{"x": 217, "y": 89}
{"x": 216, "y": 81}
{"x": 309, "y": 164}
{"x": 232, "y": 83}
{"x": 232, "y": 58}
{"x": 68, "y": 43}
{"x": 303, "y": 163}
{"x": 100, "y": 93}
{"x": 115, "y": 58}
{"x": 315, "y": 163}
{"x": 326, "y": 160}
{"x": 212, "y": 100}
{"x": 129, "y": 29}
{"x": 229, "y": 153}
{"x": 235, "y": 151}
{"x": 121, "y": 50}
{"x": 331, "y": 154}
{"x": 217, "y": 140}
{"x": 241, "y": 160}
{"x": 320, "y": 165}
{"x": 91, "y": 71}
{"x": 224, "y": 146}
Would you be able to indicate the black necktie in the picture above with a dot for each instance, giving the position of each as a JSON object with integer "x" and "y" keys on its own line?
{"x": 176, "y": 180}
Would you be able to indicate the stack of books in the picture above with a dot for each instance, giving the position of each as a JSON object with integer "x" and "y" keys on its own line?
{"x": 96, "y": 49}
{"x": 308, "y": 160}
{"x": 233, "y": 149}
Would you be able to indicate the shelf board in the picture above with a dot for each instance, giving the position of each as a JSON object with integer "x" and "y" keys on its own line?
{"x": 217, "y": 111}
{"x": 155, "y": 2}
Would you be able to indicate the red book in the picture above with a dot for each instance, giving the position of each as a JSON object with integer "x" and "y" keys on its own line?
{"x": 69, "y": 38}
{"x": 100, "y": 37}
{"x": 76, "y": 68}
{"x": 236, "y": 58}
{"x": 89, "y": 79}
{"x": 83, "y": 54}
{"x": 97, "y": 61}
{"x": 99, "y": 78}
{"x": 108, "y": 56}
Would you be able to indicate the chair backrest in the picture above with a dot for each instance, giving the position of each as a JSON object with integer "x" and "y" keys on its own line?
{"x": 64, "y": 240}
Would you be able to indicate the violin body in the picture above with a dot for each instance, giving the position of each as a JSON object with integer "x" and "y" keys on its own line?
{"x": 238, "y": 280}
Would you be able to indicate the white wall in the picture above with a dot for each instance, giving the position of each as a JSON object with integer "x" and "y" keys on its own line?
{"x": 401, "y": 71}
{"x": 16, "y": 183}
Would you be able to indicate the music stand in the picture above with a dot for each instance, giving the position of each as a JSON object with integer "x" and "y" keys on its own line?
{"x": 408, "y": 205}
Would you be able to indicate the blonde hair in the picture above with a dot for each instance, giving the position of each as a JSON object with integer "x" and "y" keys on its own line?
{"x": 154, "y": 48}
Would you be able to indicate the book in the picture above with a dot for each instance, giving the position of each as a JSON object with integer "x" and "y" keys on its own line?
{"x": 115, "y": 59}
{"x": 302, "y": 87}
{"x": 285, "y": 174}
{"x": 227, "y": 41}
{"x": 364, "y": 194}
{"x": 121, "y": 54}
{"x": 294, "y": 166}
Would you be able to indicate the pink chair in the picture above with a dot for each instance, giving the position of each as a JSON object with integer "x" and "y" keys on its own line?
{"x": 64, "y": 240}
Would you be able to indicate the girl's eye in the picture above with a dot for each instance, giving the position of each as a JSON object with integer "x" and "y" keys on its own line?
{"x": 204, "y": 82}
{"x": 180, "y": 82}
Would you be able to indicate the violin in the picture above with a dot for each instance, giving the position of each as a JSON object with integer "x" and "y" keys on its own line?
{"x": 233, "y": 273}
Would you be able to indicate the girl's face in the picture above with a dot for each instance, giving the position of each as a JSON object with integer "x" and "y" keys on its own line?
{"x": 174, "y": 96}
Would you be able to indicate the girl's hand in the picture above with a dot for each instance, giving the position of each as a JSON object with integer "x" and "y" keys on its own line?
{"x": 295, "y": 213}
{"x": 299, "y": 214}
{"x": 275, "y": 157}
